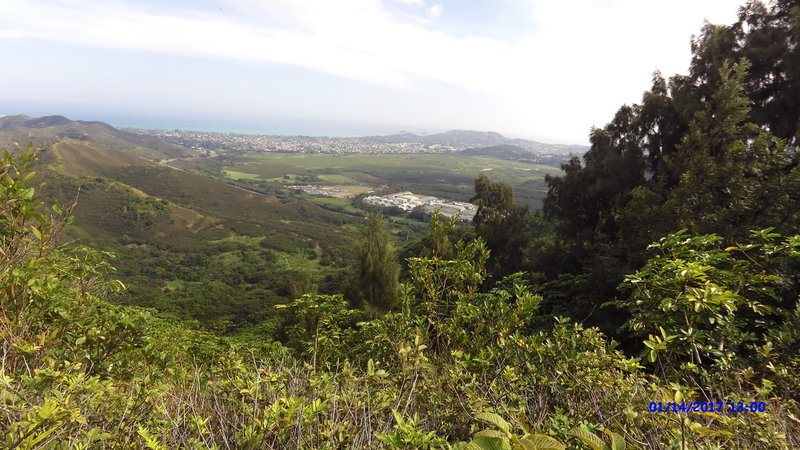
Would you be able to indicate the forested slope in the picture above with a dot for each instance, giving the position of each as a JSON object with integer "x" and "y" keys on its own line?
{"x": 653, "y": 303}
{"x": 191, "y": 246}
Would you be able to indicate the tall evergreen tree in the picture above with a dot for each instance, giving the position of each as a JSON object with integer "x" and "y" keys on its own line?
{"x": 495, "y": 201}
{"x": 379, "y": 270}
{"x": 632, "y": 165}
{"x": 714, "y": 151}
{"x": 735, "y": 175}
{"x": 767, "y": 37}
{"x": 503, "y": 224}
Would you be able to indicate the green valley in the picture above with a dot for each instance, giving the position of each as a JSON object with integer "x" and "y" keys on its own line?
{"x": 193, "y": 247}
{"x": 221, "y": 241}
{"x": 448, "y": 176}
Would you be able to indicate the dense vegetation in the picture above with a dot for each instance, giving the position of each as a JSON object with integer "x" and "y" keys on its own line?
{"x": 665, "y": 268}
{"x": 193, "y": 247}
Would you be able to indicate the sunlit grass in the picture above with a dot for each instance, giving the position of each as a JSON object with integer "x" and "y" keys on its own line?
{"x": 241, "y": 175}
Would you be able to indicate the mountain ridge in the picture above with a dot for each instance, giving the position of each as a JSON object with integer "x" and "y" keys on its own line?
{"x": 18, "y": 128}
{"x": 47, "y": 130}
{"x": 487, "y": 140}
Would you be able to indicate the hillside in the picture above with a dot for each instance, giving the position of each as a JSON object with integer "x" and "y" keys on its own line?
{"x": 186, "y": 244}
{"x": 44, "y": 131}
{"x": 228, "y": 205}
{"x": 472, "y": 139}
{"x": 459, "y": 366}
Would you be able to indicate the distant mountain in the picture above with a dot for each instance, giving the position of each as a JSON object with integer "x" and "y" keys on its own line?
{"x": 460, "y": 137}
{"x": 512, "y": 152}
{"x": 118, "y": 171}
{"x": 7, "y": 122}
{"x": 468, "y": 139}
{"x": 48, "y": 130}
{"x": 489, "y": 143}
{"x": 452, "y": 138}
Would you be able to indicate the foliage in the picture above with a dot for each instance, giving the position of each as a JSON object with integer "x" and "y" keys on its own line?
{"x": 78, "y": 372}
{"x": 378, "y": 270}
{"x": 714, "y": 151}
{"x": 439, "y": 236}
{"x": 144, "y": 209}
{"x": 671, "y": 163}
{"x": 596, "y": 442}
{"x": 734, "y": 175}
{"x": 501, "y": 436}
{"x": 495, "y": 200}
{"x": 716, "y": 311}
{"x": 62, "y": 345}
{"x": 408, "y": 433}
{"x": 501, "y": 223}
{"x": 321, "y": 320}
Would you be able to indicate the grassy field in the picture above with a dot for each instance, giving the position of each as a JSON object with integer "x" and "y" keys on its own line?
{"x": 449, "y": 176}
{"x": 438, "y": 166}
{"x": 241, "y": 175}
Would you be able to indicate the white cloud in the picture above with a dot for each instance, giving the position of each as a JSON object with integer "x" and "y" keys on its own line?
{"x": 588, "y": 57}
{"x": 579, "y": 61}
{"x": 349, "y": 38}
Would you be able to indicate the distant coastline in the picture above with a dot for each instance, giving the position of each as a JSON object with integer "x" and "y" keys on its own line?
{"x": 265, "y": 125}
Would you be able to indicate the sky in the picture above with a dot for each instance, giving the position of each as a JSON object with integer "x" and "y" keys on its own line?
{"x": 541, "y": 69}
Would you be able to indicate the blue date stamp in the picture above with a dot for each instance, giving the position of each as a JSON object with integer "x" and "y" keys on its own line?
{"x": 715, "y": 407}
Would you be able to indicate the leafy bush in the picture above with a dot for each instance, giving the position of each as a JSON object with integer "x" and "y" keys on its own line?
{"x": 728, "y": 315}
{"x": 78, "y": 372}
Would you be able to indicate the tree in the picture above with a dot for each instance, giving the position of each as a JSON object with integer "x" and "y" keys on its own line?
{"x": 501, "y": 223}
{"x": 495, "y": 200}
{"x": 714, "y": 152}
{"x": 378, "y": 268}
{"x": 439, "y": 242}
{"x": 734, "y": 174}
{"x": 321, "y": 322}
{"x": 585, "y": 199}
{"x": 629, "y": 158}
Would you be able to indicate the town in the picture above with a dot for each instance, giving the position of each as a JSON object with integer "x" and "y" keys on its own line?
{"x": 319, "y": 190}
{"x": 407, "y": 201}
{"x": 210, "y": 143}
{"x": 203, "y": 141}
